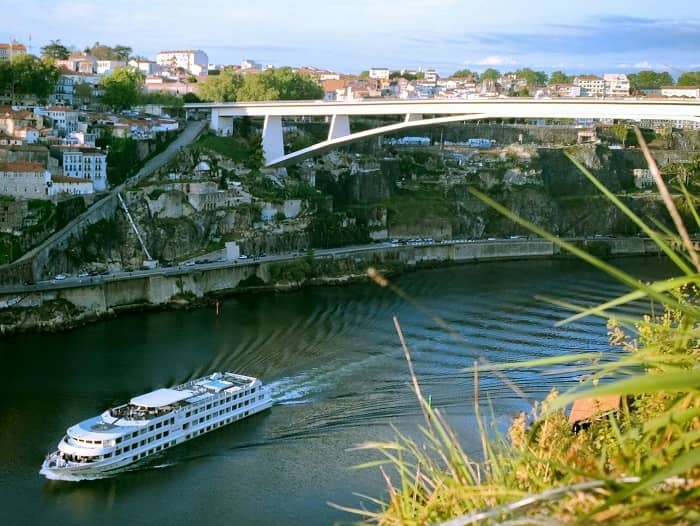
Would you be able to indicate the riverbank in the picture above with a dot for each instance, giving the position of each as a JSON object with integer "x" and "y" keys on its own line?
{"x": 59, "y": 309}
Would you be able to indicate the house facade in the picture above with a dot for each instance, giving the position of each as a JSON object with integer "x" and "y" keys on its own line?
{"x": 194, "y": 61}
{"x": 28, "y": 180}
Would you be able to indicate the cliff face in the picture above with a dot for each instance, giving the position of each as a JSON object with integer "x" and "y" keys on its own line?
{"x": 402, "y": 193}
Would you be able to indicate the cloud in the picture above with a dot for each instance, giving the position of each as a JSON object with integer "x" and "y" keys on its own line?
{"x": 495, "y": 60}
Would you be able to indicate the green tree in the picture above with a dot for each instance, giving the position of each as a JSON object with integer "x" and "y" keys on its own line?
{"x": 221, "y": 88}
{"x": 620, "y": 131}
{"x": 83, "y": 92}
{"x": 55, "y": 50}
{"x": 27, "y": 75}
{"x": 122, "y": 89}
{"x": 648, "y": 79}
{"x": 190, "y": 97}
{"x": 279, "y": 84}
{"x": 491, "y": 74}
{"x": 559, "y": 77}
{"x": 364, "y": 74}
{"x": 465, "y": 74}
{"x": 689, "y": 78}
{"x": 533, "y": 78}
{"x": 122, "y": 52}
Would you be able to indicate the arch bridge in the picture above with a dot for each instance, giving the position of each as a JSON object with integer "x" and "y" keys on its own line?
{"x": 418, "y": 113}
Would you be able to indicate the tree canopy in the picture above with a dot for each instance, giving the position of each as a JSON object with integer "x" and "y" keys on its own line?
{"x": 559, "y": 77}
{"x": 648, "y": 79}
{"x": 272, "y": 84}
{"x": 105, "y": 52}
{"x": 222, "y": 87}
{"x": 689, "y": 78}
{"x": 55, "y": 50}
{"x": 27, "y": 75}
{"x": 465, "y": 74}
{"x": 533, "y": 78}
{"x": 491, "y": 74}
{"x": 122, "y": 89}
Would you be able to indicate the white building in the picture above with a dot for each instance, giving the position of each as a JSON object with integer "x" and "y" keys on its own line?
{"x": 106, "y": 67}
{"x": 616, "y": 85}
{"x": 692, "y": 92}
{"x": 194, "y": 61}
{"x": 379, "y": 73}
{"x": 69, "y": 185}
{"x": 147, "y": 67}
{"x": 62, "y": 118}
{"x": 247, "y": 65}
{"x": 7, "y": 51}
{"x": 591, "y": 85}
{"x": 83, "y": 163}
{"x": 28, "y": 180}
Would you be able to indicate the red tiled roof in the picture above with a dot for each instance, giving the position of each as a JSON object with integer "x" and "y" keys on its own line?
{"x": 21, "y": 166}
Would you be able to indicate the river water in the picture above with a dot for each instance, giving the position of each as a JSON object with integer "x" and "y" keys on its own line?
{"x": 338, "y": 376}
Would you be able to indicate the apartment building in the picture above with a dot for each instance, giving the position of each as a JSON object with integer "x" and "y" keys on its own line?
{"x": 194, "y": 61}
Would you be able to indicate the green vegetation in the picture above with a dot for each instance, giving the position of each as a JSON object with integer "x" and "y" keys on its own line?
{"x": 490, "y": 74}
{"x": 122, "y": 89}
{"x": 10, "y": 248}
{"x": 55, "y": 50}
{"x": 466, "y": 74}
{"x": 533, "y": 78}
{"x": 272, "y": 84}
{"x": 639, "y": 465}
{"x": 104, "y": 52}
{"x": 689, "y": 78}
{"x": 25, "y": 75}
{"x": 648, "y": 79}
{"x": 559, "y": 77}
{"x": 330, "y": 230}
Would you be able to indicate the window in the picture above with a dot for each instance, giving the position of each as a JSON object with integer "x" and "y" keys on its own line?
{"x": 119, "y": 440}
{"x": 118, "y": 452}
{"x": 159, "y": 424}
{"x": 158, "y": 436}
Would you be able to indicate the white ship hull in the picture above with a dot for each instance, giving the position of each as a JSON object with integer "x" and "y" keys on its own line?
{"x": 124, "y": 436}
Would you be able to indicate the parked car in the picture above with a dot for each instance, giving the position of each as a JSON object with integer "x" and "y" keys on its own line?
{"x": 59, "y": 277}
{"x": 242, "y": 256}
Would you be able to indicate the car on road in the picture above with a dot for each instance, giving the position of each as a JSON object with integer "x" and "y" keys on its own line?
{"x": 242, "y": 256}
{"x": 83, "y": 275}
{"x": 189, "y": 263}
{"x": 59, "y": 277}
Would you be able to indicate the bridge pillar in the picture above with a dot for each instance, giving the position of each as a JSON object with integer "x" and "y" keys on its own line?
{"x": 272, "y": 139}
{"x": 214, "y": 122}
{"x": 340, "y": 127}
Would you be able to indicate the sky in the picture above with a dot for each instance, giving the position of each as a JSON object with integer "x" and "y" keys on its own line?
{"x": 589, "y": 36}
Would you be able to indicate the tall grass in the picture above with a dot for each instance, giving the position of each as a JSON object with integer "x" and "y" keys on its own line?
{"x": 640, "y": 465}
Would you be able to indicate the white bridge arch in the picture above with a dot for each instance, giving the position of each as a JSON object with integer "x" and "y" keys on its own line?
{"x": 441, "y": 112}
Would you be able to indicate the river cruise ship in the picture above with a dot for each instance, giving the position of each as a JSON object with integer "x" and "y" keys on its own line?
{"x": 153, "y": 422}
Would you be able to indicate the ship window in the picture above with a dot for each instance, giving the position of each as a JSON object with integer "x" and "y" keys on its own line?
{"x": 150, "y": 439}
{"x": 107, "y": 455}
{"x": 252, "y": 390}
{"x": 159, "y": 424}
{"x": 188, "y": 413}
{"x": 133, "y": 435}
{"x": 201, "y": 420}
{"x": 119, "y": 439}
{"x": 158, "y": 448}
{"x": 158, "y": 436}
{"x": 150, "y": 428}
{"x": 118, "y": 452}
{"x": 186, "y": 426}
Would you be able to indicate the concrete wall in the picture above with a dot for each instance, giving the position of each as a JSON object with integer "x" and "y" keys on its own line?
{"x": 159, "y": 288}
